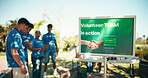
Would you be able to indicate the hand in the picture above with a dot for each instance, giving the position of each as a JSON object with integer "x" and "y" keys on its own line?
{"x": 27, "y": 43}
{"x": 100, "y": 43}
{"x": 40, "y": 49}
{"x": 91, "y": 45}
{"x": 44, "y": 56}
{"x": 46, "y": 47}
{"x": 56, "y": 53}
{"x": 23, "y": 69}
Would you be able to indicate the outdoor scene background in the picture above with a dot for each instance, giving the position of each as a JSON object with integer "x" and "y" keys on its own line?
{"x": 64, "y": 15}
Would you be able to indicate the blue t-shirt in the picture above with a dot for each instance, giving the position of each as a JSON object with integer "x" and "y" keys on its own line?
{"x": 49, "y": 38}
{"x": 29, "y": 38}
{"x": 37, "y": 43}
{"x": 14, "y": 41}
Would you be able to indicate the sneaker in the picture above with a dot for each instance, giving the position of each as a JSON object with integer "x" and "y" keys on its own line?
{"x": 87, "y": 73}
{"x": 106, "y": 74}
{"x": 44, "y": 76}
{"x": 56, "y": 74}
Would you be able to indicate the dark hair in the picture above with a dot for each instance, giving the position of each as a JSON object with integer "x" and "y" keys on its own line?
{"x": 23, "y": 21}
{"x": 49, "y": 26}
{"x": 30, "y": 26}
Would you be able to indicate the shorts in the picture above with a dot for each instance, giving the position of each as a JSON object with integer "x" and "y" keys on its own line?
{"x": 53, "y": 57}
{"x": 18, "y": 74}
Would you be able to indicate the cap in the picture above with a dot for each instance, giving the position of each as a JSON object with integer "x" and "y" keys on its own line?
{"x": 37, "y": 31}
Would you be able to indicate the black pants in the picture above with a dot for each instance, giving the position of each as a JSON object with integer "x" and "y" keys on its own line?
{"x": 37, "y": 65}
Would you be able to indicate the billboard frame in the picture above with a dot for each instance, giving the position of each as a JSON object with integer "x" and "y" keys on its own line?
{"x": 106, "y": 17}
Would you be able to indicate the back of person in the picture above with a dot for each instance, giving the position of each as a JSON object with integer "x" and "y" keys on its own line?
{"x": 13, "y": 39}
{"x": 15, "y": 52}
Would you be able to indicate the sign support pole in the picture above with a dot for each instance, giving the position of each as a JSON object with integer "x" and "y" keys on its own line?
{"x": 105, "y": 66}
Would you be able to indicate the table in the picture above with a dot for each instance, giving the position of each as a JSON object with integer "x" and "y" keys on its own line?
{"x": 132, "y": 61}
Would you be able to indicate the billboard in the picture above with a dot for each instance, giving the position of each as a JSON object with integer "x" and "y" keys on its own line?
{"x": 108, "y": 36}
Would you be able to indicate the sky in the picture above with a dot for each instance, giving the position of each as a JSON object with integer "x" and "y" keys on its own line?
{"x": 64, "y": 14}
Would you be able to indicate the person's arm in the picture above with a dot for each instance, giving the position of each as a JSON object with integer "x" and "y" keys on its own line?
{"x": 85, "y": 42}
{"x": 33, "y": 49}
{"x": 56, "y": 47}
{"x": 46, "y": 47}
{"x": 44, "y": 51}
{"x": 30, "y": 48}
{"x": 16, "y": 57}
{"x": 43, "y": 39}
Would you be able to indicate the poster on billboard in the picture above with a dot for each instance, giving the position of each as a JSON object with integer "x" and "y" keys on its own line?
{"x": 108, "y": 36}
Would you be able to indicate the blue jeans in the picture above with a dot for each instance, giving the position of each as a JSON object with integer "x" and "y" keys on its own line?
{"x": 37, "y": 65}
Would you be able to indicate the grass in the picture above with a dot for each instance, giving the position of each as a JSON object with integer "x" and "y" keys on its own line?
{"x": 121, "y": 70}
{"x": 118, "y": 70}
{"x": 2, "y": 53}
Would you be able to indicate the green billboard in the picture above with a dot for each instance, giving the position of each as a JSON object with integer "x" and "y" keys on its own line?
{"x": 107, "y": 35}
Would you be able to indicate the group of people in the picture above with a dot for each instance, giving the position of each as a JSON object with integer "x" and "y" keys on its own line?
{"x": 19, "y": 40}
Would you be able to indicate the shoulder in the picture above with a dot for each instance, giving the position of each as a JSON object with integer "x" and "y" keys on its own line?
{"x": 14, "y": 33}
{"x": 22, "y": 33}
{"x": 34, "y": 40}
{"x": 45, "y": 34}
{"x": 52, "y": 33}
{"x": 31, "y": 35}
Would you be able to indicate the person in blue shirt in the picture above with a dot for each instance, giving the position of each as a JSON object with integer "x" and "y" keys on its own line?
{"x": 14, "y": 50}
{"x": 37, "y": 54}
{"x": 50, "y": 38}
{"x": 29, "y": 38}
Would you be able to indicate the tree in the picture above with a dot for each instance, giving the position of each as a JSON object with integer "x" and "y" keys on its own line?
{"x": 11, "y": 24}
{"x": 1, "y": 29}
{"x": 147, "y": 40}
{"x": 139, "y": 40}
{"x": 37, "y": 25}
{"x": 2, "y": 33}
{"x": 144, "y": 38}
{"x": 70, "y": 42}
{"x": 4, "y": 30}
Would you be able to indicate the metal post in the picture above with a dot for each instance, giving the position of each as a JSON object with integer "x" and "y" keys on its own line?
{"x": 105, "y": 63}
{"x": 133, "y": 73}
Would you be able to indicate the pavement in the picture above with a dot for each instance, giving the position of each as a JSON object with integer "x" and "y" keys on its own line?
{"x": 3, "y": 66}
